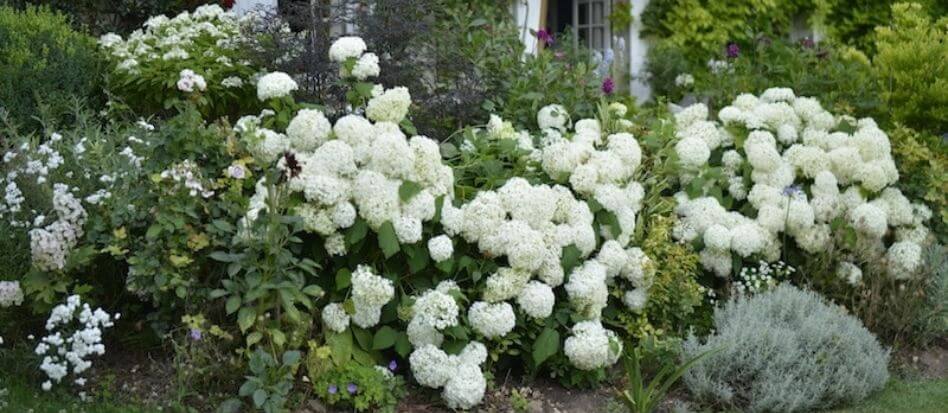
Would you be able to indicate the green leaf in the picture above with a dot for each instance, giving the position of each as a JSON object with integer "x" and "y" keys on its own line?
{"x": 340, "y": 347}
{"x": 384, "y": 338}
{"x": 254, "y": 338}
{"x": 363, "y": 337}
{"x": 223, "y": 256}
{"x": 546, "y": 345}
{"x": 356, "y": 232}
{"x": 278, "y": 337}
{"x": 153, "y": 231}
{"x": 246, "y": 317}
{"x": 259, "y": 397}
{"x": 402, "y": 345}
{"x": 313, "y": 291}
{"x": 343, "y": 279}
{"x": 233, "y": 303}
{"x": 291, "y": 357}
{"x": 408, "y": 190}
{"x": 570, "y": 258}
{"x": 388, "y": 241}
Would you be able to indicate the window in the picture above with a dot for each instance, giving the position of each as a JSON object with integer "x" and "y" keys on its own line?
{"x": 591, "y": 23}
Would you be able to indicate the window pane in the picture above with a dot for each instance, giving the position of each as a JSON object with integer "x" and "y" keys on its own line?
{"x": 597, "y": 12}
{"x": 583, "y": 36}
{"x": 583, "y": 13}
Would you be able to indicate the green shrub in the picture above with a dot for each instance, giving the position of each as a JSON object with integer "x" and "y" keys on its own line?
{"x": 786, "y": 350}
{"x": 911, "y": 68}
{"x": 44, "y": 65}
{"x": 103, "y": 16}
{"x": 702, "y": 28}
{"x": 150, "y": 73}
{"x": 853, "y": 22}
{"x": 831, "y": 73}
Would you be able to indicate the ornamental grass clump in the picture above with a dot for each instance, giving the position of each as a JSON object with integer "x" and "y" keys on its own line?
{"x": 786, "y": 350}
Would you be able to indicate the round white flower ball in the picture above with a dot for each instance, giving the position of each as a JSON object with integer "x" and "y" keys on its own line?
{"x": 345, "y": 47}
{"x": 430, "y": 366}
{"x": 537, "y": 299}
{"x": 308, "y": 129}
{"x": 553, "y": 117}
{"x": 275, "y": 85}
{"x": 692, "y": 152}
{"x": 335, "y": 317}
{"x": 465, "y": 389}
{"x": 440, "y": 248}
{"x": 492, "y": 320}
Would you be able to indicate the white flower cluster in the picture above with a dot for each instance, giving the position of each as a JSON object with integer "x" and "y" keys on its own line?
{"x": 209, "y": 28}
{"x": 187, "y": 174}
{"x": 369, "y": 293}
{"x": 190, "y": 81}
{"x": 601, "y": 169}
{"x": 500, "y": 129}
{"x": 10, "y": 293}
{"x": 364, "y": 65}
{"x": 753, "y": 280}
{"x": 591, "y": 346}
{"x": 807, "y": 168}
{"x": 433, "y": 311}
{"x": 275, "y": 85}
{"x": 75, "y": 335}
{"x": 684, "y": 80}
{"x": 530, "y": 225}
{"x": 50, "y": 245}
{"x": 460, "y": 375}
{"x": 588, "y": 286}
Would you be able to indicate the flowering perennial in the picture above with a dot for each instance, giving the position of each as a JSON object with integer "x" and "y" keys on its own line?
{"x": 75, "y": 335}
{"x": 804, "y": 172}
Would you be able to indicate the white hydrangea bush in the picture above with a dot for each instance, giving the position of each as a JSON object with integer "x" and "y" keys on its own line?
{"x": 192, "y": 53}
{"x": 779, "y": 168}
{"x": 362, "y": 172}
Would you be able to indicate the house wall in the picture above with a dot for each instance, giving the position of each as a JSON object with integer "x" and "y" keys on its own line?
{"x": 243, "y": 6}
{"x": 527, "y": 14}
{"x": 638, "y": 53}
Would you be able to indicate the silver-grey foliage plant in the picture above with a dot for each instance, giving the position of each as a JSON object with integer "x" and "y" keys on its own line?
{"x": 786, "y": 350}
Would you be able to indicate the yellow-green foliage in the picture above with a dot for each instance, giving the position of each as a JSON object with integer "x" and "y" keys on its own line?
{"x": 42, "y": 60}
{"x": 911, "y": 65}
{"x": 704, "y": 27}
{"x": 675, "y": 294}
{"x": 922, "y": 160}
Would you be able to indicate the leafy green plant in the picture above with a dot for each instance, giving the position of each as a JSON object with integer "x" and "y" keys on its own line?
{"x": 46, "y": 67}
{"x": 363, "y": 388}
{"x": 270, "y": 380}
{"x": 640, "y": 397}
{"x": 910, "y": 68}
{"x": 147, "y": 69}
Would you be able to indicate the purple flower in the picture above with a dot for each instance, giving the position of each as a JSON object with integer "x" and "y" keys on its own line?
{"x": 352, "y": 388}
{"x": 807, "y": 43}
{"x": 333, "y": 389}
{"x": 792, "y": 190}
{"x": 545, "y": 36}
{"x": 608, "y": 85}
{"x": 733, "y": 51}
{"x": 195, "y": 334}
{"x": 393, "y": 365}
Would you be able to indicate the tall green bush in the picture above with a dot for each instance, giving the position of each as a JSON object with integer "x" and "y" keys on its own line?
{"x": 912, "y": 69}
{"x": 786, "y": 350}
{"x": 45, "y": 65}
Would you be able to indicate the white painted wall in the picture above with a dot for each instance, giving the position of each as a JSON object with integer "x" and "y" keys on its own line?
{"x": 638, "y": 53}
{"x": 527, "y": 15}
{"x": 243, "y": 6}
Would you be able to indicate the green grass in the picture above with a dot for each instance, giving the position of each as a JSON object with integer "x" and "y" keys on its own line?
{"x": 905, "y": 397}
